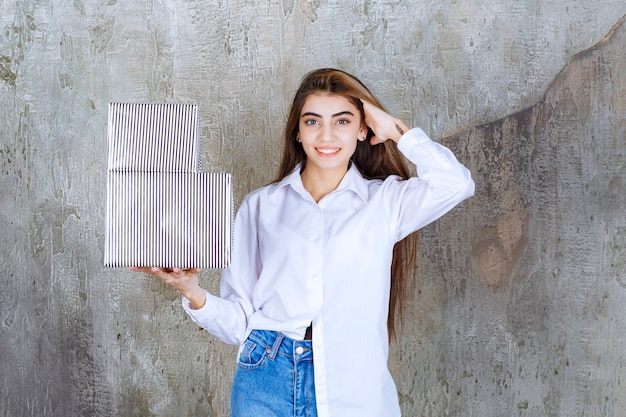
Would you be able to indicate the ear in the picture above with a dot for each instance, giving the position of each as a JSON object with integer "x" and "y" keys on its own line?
{"x": 363, "y": 131}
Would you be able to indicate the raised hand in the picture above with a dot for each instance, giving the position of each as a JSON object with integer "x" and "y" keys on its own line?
{"x": 382, "y": 124}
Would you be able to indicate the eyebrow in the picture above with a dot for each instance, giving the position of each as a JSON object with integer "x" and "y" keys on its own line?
{"x": 341, "y": 113}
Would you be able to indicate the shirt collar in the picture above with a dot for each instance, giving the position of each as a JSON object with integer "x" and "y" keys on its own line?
{"x": 352, "y": 181}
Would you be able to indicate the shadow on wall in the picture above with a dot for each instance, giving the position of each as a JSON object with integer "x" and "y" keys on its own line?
{"x": 539, "y": 317}
{"x": 556, "y": 168}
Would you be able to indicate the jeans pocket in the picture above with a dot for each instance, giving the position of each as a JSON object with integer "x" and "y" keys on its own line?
{"x": 252, "y": 356}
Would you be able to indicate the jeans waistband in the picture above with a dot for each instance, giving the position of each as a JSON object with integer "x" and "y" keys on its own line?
{"x": 277, "y": 343}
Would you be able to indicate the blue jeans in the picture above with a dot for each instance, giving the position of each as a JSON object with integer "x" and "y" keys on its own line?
{"x": 274, "y": 377}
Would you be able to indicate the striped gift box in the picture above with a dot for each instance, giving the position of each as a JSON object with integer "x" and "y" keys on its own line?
{"x": 161, "y": 209}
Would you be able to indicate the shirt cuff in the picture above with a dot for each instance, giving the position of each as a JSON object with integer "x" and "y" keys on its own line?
{"x": 412, "y": 137}
{"x": 189, "y": 308}
{"x": 423, "y": 151}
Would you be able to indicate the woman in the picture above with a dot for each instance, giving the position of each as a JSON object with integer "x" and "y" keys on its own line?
{"x": 321, "y": 254}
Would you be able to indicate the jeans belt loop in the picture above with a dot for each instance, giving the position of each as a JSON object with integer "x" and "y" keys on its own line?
{"x": 276, "y": 345}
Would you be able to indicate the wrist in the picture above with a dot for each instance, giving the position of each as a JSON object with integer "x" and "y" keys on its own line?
{"x": 196, "y": 297}
{"x": 401, "y": 128}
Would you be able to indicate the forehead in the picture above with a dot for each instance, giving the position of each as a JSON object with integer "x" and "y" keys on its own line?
{"x": 328, "y": 104}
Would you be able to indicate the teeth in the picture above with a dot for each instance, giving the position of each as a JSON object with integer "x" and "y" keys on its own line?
{"x": 327, "y": 151}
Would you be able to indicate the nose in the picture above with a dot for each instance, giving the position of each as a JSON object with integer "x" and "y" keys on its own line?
{"x": 326, "y": 133}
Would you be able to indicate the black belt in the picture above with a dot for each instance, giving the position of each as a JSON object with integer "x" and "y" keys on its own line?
{"x": 308, "y": 335}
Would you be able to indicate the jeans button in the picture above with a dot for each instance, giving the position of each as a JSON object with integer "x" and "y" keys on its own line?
{"x": 299, "y": 350}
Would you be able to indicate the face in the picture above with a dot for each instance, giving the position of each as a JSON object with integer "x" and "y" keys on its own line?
{"x": 329, "y": 128}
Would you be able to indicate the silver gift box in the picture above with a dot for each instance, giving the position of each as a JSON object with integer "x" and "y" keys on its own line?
{"x": 161, "y": 209}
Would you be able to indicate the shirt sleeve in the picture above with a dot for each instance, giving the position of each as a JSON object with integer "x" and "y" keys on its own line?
{"x": 226, "y": 317}
{"x": 442, "y": 182}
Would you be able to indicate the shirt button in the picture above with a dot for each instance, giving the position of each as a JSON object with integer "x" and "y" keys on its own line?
{"x": 299, "y": 350}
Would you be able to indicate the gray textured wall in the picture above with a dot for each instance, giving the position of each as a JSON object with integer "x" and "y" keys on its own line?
{"x": 520, "y": 294}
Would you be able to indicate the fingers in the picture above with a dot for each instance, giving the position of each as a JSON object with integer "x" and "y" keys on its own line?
{"x": 382, "y": 124}
{"x": 172, "y": 276}
{"x": 155, "y": 270}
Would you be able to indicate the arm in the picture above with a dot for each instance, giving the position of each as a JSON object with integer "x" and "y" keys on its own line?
{"x": 442, "y": 181}
{"x": 225, "y": 317}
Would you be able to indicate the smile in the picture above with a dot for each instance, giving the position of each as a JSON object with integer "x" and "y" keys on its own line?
{"x": 326, "y": 151}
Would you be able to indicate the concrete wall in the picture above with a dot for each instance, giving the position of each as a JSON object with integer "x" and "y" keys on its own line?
{"x": 520, "y": 291}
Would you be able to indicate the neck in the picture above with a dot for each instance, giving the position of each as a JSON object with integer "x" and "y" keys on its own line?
{"x": 320, "y": 183}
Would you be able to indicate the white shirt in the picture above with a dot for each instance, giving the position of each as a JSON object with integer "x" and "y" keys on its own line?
{"x": 295, "y": 261}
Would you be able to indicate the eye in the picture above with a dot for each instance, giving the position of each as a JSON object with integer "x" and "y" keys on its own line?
{"x": 343, "y": 121}
{"x": 310, "y": 122}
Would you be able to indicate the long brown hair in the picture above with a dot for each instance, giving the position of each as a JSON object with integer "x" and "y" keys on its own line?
{"x": 374, "y": 162}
